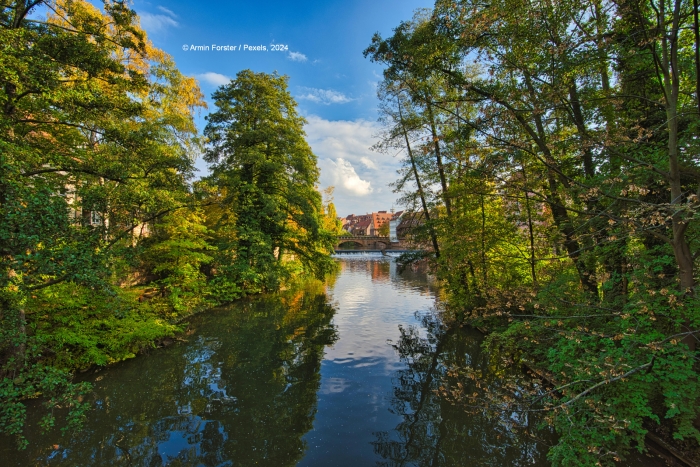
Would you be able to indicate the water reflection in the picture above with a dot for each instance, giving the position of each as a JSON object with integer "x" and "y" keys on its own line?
{"x": 241, "y": 393}
{"x": 433, "y": 431}
{"x": 291, "y": 380}
{"x": 378, "y": 270}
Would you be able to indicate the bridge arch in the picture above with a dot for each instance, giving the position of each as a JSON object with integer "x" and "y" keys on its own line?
{"x": 363, "y": 243}
{"x": 346, "y": 244}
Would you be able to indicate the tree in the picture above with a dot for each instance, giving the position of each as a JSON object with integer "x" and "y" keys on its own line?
{"x": 331, "y": 223}
{"x": 175, "y": 254}
{"x": 266, "y": 169}
{"x": 567, "y": 134}
{"x": 96, "y": 139}
{"x": 401, "y": 120}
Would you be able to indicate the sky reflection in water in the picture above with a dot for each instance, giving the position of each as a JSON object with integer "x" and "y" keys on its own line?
{"x": 311, "y": 379}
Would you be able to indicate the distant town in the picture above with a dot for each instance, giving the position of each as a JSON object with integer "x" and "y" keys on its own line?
{"x": 392, "y": 224}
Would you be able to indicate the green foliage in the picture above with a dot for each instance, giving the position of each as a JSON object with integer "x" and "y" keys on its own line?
{"x": 104, "y": 243}
{"x": 551, "y": 165}
{"x": 96, "y": 138}
{"x": 84, "y": 327}
{"x": 331, "y": 223}
{"x": 57, "y": 390}
{"x": 174, "y": 255}
{"x": 270, "y": 208}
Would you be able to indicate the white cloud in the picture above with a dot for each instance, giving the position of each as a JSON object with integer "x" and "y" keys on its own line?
{"x": 216, "y": 79}
{"x": 323, "y": 96}
{"x": 156, "y": 23}
{"x": 297, "y": 57}
{"x": 368, "y": 163}
{"x": 167, "y": 12}
{"x": 346, "y": 179}
{"x": 360, "y": 176}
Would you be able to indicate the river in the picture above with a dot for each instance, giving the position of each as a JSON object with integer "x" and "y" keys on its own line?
{"x": 341, "y": 375}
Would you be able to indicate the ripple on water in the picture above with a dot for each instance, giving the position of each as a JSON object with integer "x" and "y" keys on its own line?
{"x": 282, "y": 382}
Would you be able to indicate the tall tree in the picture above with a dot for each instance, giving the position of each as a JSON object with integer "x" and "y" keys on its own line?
{"x": 402, "y": 125}
{"x": 259, "y": 157}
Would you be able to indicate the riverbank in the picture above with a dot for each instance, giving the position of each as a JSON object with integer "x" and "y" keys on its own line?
{"x": 661, "y": 448}
{"x": 340, "y": 374}
{"x": 365, "y": 355}
{"x": 116, "y": 326}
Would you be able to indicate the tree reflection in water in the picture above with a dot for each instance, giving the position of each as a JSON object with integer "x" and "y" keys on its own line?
{"x": 242, "y": 393}
{"x": 436, "y": 432}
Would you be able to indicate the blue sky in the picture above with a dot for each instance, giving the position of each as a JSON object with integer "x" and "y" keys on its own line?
{"x": 332, "y": 82}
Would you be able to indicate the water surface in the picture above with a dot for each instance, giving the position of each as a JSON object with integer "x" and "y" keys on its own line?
{"x": 345, "y": 376}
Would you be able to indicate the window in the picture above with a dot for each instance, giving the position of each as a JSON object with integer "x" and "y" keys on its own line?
{"x": 95, "y": 218}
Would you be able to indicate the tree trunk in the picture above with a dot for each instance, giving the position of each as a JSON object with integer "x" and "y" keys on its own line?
{"x": 559, "y": 212}
{"x": 530, "y": 229}
{"x": 438, "y": 159}
{"x": 668, "y": 62}
{"x": 426, "y": 213}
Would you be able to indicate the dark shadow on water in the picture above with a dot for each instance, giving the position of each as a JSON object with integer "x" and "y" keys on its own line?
{"x": 242, "y": 392}
{"x": 433, "y": 431}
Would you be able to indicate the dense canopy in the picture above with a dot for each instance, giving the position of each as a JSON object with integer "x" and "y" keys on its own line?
{"x": 552, "y": 150}
{"x": 106, "y": 243}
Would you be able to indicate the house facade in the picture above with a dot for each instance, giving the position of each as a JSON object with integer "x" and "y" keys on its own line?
{"x": 366, "y": 224}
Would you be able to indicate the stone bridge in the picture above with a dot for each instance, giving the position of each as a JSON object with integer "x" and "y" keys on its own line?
{"x": 363, "y": 243}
